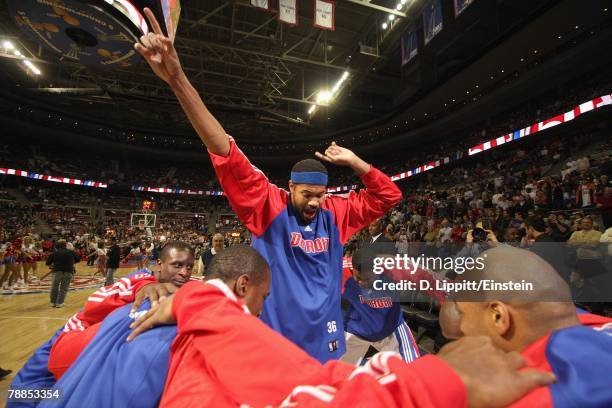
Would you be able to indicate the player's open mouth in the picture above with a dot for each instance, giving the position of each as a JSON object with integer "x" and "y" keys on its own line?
{"x": 310, "y": 213}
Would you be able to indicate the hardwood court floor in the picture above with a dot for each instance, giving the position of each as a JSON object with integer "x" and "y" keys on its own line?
{"x": 28, "y": 320}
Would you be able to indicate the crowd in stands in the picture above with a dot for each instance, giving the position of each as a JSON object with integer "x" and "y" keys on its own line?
{"x": 55, "y": 161}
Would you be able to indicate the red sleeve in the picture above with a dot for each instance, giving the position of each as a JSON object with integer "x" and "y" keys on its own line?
{"x": 255, "y": 200}
{"x": 355, "y": 212}
{"x": 105, "y": 300}
{"x": 425, "y": 383}
{"x": 67, "y": 349}
{"x": 221, "y": 352}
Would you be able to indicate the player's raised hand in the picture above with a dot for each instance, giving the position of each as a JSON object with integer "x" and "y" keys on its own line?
{"x": 155, "y": 292}
{"x": 337, "y": 155}
{"x": 497, "y": 380}
{"x": 159, "y": 315}
{"x": 341, "y": 156}
{"x": 159, "y": 52}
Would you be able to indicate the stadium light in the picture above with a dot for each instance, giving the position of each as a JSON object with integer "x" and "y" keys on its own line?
{"x": 384, "y": 26}
{"x": 8, "y": 45}
{"x": 399, "y": 6}
{"x": 391, "y": 17}
{"x": 324, "y": 96}
{"x": 32, "y": 67}
{"x": 402, "y": 2}
{"x": 18, "y": 53}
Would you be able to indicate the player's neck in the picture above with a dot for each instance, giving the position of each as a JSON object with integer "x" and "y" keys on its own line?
{"x": 545, "y": 328}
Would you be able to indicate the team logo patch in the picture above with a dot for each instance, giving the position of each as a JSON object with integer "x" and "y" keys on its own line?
{"x": 310, "y": 246}
{"x": 379, "y": 303}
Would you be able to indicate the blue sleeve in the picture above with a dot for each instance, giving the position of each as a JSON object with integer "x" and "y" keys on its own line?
{"x": 581, "y": 358}
{"x": 34, "y": 373}
{"x": 110, "y": 372}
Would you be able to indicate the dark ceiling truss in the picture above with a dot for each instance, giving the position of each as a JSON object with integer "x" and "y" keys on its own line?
{"x": 244, "y": 59}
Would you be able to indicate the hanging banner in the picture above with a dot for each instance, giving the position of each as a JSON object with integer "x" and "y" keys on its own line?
{"x": 288, "y": 12}
{"x": 324, "y": 14}
{"x": 461, "y": 5}
{"x": 432, "y": 20}
{"x": 409, "y": 45}
{"x": 264, "y": 4}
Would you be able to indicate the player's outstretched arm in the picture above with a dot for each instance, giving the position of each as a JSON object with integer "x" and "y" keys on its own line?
{"x": 159, "y": 52}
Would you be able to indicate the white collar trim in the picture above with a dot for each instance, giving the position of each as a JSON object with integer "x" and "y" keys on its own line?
{"x": 219, "y": 284}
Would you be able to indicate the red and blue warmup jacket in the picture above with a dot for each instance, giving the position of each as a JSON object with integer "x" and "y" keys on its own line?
{"x": 581, "y": 359}
{"x": 225, "y": 357}
{"x": 305, "y": 259}
{"x": 111, "y": 372}
{"x": 35, "y": 373}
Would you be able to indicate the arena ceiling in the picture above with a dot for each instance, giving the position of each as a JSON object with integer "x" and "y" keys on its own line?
{"x": 260, "y": 76}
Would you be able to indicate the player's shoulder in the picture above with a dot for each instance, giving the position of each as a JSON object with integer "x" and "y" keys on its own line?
{"x": 580, "y": 357}
{"x": 581, "y": 346}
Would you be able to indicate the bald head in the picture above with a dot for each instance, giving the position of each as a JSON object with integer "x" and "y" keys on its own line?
{"x": 506, "y": 264}
{"x": 245, "y": 272}
{"x": 513, "y": 319}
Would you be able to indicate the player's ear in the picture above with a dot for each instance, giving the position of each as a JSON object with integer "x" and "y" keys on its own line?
{"x": 500, "y": 317}
{"x": 241, "y": 286}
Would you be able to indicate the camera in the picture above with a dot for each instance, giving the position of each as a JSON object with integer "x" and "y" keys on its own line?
{"x": 479, "y": 235}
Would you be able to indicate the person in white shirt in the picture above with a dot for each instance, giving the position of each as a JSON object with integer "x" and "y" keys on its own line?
{"x": 606, "y": 238}
{"x": 402, "y": 242}
{"x": 149, "y": 247}
{"x": 495, "y": 198}
{"x": 445, "y": 232}
{"x": 503, "y": 203}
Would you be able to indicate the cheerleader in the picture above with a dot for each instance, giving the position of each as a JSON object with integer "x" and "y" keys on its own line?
{"x": 136, "y": 254}
{"x": 101, "y": 259}
{"x": 28, "y": 257}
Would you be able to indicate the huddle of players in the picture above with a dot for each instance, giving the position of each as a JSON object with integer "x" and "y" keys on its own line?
{"x": 208, "y": 347}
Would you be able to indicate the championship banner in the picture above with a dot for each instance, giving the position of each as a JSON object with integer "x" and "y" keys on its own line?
{"x": 432, "y": 20}
{"x": 461, "y": 5}
{"x": 324, "y": 14}
{"x": 288, "y": 11}
{"x": 409, "y": 45}
{"x": 263, "y": 4}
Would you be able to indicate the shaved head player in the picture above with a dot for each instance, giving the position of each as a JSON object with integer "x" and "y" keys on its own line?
{"x": 299, "y": 232}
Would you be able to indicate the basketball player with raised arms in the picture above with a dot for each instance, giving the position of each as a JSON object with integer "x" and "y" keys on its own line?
{"x": 299, "y": 232}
